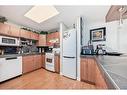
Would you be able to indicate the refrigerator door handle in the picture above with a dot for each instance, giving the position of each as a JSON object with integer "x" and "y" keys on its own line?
{"x": 68, "y": 57}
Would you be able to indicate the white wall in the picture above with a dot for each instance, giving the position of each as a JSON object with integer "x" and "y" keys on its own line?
{"x": 115, "y": 37}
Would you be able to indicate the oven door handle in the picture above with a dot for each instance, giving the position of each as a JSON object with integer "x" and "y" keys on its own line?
{"x": 68, "y": 57}
{"x": 11, "y": 58}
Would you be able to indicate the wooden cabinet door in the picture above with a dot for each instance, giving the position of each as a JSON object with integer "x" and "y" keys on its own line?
{"x": 27, "y": 64}
{"x": 51, "y": 36}
{"x": 100, "y": 82}
{"x": 83, "y": 69}
{"x": 4, "y": 29}
{"x": 37, "y": 61}
{"x": 14, "y": 31}
{"x": 43, "y": 60}
{"x": 34, "y": 36}
{"x": 88, "y": 70}
{"x": 42, "y": 40}
{"x": 48, "y": 38}
{"x": 58, "y": 36}
{"x": 57, "y": 64}
{"x": 91, "y": 70}
{"x": 25, "y": 34}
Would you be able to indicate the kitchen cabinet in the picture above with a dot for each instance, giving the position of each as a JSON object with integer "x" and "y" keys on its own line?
{"x": 14, "y": 31}
{"x": 88, "y": 69}
{"x": 31, "y": 63}
{"x": 4, "y": 29}
{"x": 34, "y": 36}
{"x": 42, "y": 40}
{"x": 114, "y": 14}
{"x": 91, "y": 73}
{"x": 37, "y": 62}
{"x": 57, "y": 63}
{"x": 52, "y": 36}
{"x": 100, "y": 82}
{"x": 25, "y": 34}
{"x": 43, "y": 60}
{"x": 27, "y": 63}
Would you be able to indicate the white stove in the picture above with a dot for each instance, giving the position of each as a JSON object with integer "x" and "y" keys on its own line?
{"x": 49, "y": 61}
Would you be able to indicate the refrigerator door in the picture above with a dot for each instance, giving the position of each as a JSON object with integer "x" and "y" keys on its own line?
{"x": 69, "y": 43}
{"x": 69, "y": 67}
{"x": 69, "y": 54}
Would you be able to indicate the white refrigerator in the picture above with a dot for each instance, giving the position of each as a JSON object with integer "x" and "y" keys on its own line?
{"x": 69, "y": 54}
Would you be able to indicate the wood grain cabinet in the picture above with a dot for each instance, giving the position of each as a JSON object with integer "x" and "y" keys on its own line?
{"x": 57, "y": 63}
{"x": 91, "y": 73}
{"x": 34, "y": 36}
{"x": 37, "y": 62}
{"x": 31, "y": 63}
{"x": 113, "y": 13}
{"x": 43, "y": 60}
{"x": 42, "y": 40}
{"x": 27, "y": 64}
{"x": 88, "y": 70}
{"x": 25, "y": 34}
{"x": 100, "y": 82}
{"x": 14, "y": 31}
{"x": 52, "y": 36}
{"x": 4, "y": 29}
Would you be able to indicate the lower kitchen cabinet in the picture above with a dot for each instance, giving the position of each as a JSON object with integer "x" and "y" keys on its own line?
{"x": 31, "y": 63}
{"x": 100, "y": 82}
{"x": 88, "y": 69}
{"x": 43, "y": 60}
{"x": 91, "y": 73}
{"x": 37, "y": 62}
{"x": 57, "y": 63}
{"x": 28, "y": 64}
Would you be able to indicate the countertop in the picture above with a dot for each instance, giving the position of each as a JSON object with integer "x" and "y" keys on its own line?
{"x": 15, "y": 55}
{"x": 113, "y": 68}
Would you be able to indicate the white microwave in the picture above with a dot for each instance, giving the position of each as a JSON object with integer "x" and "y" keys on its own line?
{"x": 9, "y": 41}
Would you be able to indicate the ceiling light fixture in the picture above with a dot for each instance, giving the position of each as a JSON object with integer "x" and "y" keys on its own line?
{"x": 41, "y": 13}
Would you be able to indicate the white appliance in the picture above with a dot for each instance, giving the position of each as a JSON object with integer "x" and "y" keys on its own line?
{"x": 69, "y": 54}
{"x": 9, "y": 41}
{"x": 10, "y": 67}
{"x": 49, "y": 61}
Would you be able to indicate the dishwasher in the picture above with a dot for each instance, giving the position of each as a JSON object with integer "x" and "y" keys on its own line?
{"x": 10, "y": 67}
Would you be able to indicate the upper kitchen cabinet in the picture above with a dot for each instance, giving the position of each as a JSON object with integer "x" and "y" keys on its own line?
{"x": 115, "y": 11}
{"x": 42, "y": 40}
{"x": 14, "y": 31}
{"x": 53, "y": 38}
{"x": 34, "y": 36}
{"x": 4, "y": 29}
{"x": 25, "y": 34}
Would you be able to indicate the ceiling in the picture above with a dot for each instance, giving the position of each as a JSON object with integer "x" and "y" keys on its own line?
{"x": 68, "y": 15}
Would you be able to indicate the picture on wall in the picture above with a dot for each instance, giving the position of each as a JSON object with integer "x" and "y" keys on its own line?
{"x": 98, "y": 34}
